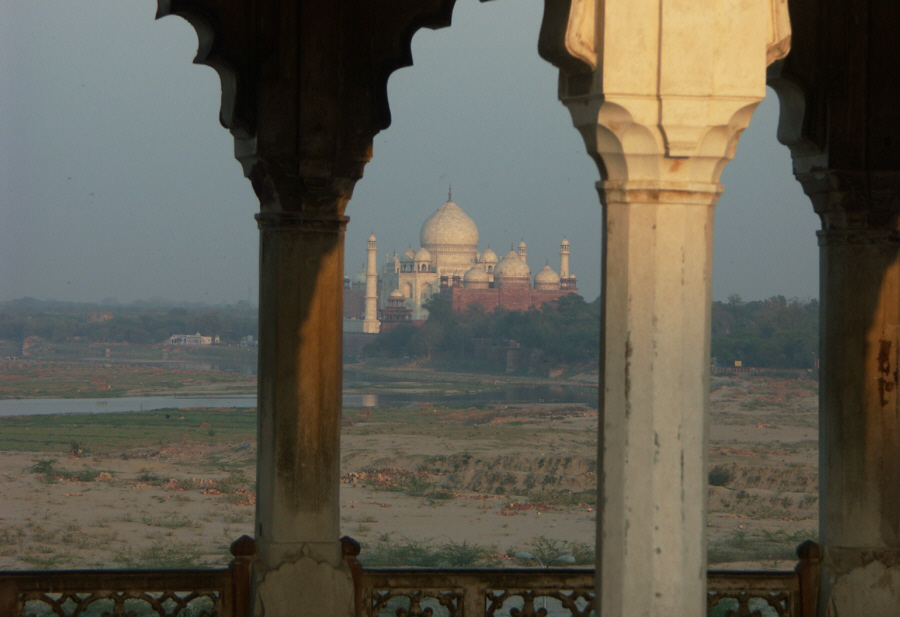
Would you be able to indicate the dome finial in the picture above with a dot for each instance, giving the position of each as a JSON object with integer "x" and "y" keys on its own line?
{"x": 449, "y": 192}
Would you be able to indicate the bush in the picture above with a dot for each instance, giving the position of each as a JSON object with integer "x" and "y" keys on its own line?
{"x": 721, "y": 475}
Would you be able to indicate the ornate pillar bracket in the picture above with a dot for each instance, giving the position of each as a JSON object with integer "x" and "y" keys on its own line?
{"x": 660, "y": 92}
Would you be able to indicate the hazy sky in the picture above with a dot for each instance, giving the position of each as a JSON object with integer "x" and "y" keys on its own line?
{"x": 117, "y": 180}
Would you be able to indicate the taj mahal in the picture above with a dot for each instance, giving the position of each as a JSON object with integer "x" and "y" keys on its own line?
{"x": 448, "y": 262}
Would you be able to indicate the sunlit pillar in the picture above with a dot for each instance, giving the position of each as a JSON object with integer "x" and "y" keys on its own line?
{"x": 660, "y": 92}
{"x": 656, "y": 328}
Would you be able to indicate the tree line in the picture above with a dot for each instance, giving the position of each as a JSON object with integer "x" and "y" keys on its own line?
{"x": 772, "y": 333}
{"x": 561, "y": 332}
{"x": 138, "y": 323}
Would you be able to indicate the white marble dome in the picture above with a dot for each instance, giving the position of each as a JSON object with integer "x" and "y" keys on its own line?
{"x": 407, "y": 256}
{"x": 512, "y": 267}
{"x": 360, "y": 277}
{"x": 489, "y": 257}
{"x": 396, "y": 294}
{"x": 546, "y": 279}
{"x": 449, "y": 226}
{"x": 476, "y": 275}
{"x": 422, "y": 255}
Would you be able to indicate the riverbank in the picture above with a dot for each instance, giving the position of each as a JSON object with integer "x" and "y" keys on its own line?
{"x": 174, "y": 488}
{"x": 137, "y": 377}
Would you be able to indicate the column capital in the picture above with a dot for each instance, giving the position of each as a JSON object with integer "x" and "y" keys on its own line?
{"x": 662, "y": 91}
{"x": 854, "y": 202}
{"x": 660, "y": 192}
{"x": 302, "y": 221}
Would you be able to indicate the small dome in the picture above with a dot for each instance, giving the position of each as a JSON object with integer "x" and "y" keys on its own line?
{"x": 513, "y": 267}
{"x": 449, "y": 226}
{"x": 407, "y": 256}
{"x": 522, "y": 245}
{"x": 476, "y": 275}
{"x": 546, "y": 277}
{"x": 565, "y": 242}
{"x": 396, "y": 294}
{"x": 372, "y": 238}
{"x": 422, "y": 255}
{"x": 360, "y": 277}
{"x": 489, "y": 257}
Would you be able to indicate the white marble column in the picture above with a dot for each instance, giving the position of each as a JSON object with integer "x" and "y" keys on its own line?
{"x": 656, "y": 327}
{"x": 371, "y": 324}
{"x": 660, "y": 92}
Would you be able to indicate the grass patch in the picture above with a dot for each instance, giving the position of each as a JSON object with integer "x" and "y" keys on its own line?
{"x": 50, "y": 472}
{"x": 169, "y": 521}
{"x": 103, "y": 433}
{"x": 765, "y": 546}
{"x": 549, "y": 551}
{"x": 385, "y": 552}
{"x": 159, "y": 555}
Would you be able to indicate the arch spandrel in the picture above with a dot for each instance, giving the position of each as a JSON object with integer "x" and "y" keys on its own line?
{"x": 304, "y": 83}
{"x": 215, "y": 26}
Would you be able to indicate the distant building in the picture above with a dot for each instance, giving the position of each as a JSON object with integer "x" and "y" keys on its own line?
{"x": 449, "y": 262}
{"x": 192, "y": 339}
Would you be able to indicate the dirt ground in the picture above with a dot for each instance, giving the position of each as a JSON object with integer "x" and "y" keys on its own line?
{"x": 503, "y": 479}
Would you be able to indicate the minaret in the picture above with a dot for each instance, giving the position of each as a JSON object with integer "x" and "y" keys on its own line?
{"x": 371, "y": 324}
{"x": 523, "y": 250}
{"x": 564, "y": 259}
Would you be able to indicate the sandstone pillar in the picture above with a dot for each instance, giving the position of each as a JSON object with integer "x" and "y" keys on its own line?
{"x": 840, "y": 118}
{"x": 859, "y": 420}
{"x": 660, "y": 92}
{"x": 304, "y": 91}
{"x": 299, "y": 569}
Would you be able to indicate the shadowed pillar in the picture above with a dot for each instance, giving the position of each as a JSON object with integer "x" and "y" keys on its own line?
{"x": 300, "y": 373}
{"x": 840, "y": 117}
{"x": 304, "y": 91}
{"x": 660, "y": 92}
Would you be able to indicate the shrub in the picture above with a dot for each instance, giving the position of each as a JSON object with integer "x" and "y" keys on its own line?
{"x": 721, "y": 475}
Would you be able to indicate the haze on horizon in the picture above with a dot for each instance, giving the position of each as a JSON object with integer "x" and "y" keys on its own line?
{"x": 118, "y": 181}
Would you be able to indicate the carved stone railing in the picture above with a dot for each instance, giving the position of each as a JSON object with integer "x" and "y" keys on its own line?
{"x": 388, "y": 592}
{"x": 558, "y": 592}
{"x": 221, "y": 592}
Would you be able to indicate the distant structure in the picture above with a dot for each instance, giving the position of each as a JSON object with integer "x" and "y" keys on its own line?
{"x": 448, "y": 262}
{"x": 192, "y": 339}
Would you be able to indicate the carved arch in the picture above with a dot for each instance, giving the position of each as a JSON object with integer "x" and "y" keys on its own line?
{"x": 233, "y": 115}
{"x": 240, "y": 38}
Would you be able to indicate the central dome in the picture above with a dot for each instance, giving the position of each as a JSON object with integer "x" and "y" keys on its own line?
{"x": 449, "y": 226}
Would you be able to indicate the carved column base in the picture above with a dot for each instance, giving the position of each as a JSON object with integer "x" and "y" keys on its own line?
{"x": 860, "y": 581}
{"x": 303, "y": 587}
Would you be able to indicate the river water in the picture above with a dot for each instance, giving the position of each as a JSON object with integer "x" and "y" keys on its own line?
{"x": 499, "y": 396}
